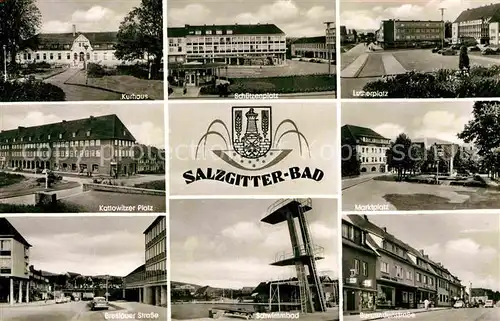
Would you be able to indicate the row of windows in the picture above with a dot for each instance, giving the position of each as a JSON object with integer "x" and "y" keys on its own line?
{"x": 426, "y": 30}
{"x": 5, "y": 263}
{"x": 418, "y": 37}
{"x": 373, "y": 159}
{"x": 420, "y": 24}
{"x": 364, "y": 267}
{"x": 5, "y": 245}
{"x": 68, "y": 153}
{"x": 75, "y": 143}
{"x": 156, "y": 249}
{"x": 373, "y": 150}
{"x": 236, "y": 39}
{"x": 52, "y": 55}
{"x": 156, "y": 230}
{"x": 159, "y": 266}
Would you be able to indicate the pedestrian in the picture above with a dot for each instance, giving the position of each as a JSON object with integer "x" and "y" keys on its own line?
{"x": 426, "y": 304}
{"x": 463, "y": 60}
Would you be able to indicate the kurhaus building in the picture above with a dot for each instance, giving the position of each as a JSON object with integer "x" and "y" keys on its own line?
{"x": 255, "y": 44}
{"x": 73, "y": 48}
{"x": 481, "y": 23}
{"x": 405, "y": 277}
{"x": 99, "y": 145}
{"x": 148, "y": 283}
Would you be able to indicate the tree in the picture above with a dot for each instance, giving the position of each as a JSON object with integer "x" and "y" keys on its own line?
{"x": 350, "y": 162}
{"x": 141, "y": 33}
{"x": 398, "y": 155}
{"x": 20, "y": 21}
{"x": 484, "y": 131}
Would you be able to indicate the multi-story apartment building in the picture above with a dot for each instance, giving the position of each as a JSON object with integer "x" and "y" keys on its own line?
{"x": 148, "y": 283}
{"x": 445, "y": 150}
{"x": 443, "y": 285}
{"x": 322, "y": 47}
{"x": 73, "y": 49}
{"x": 39, "y": 285}
{"x": 96, "y": 145}
{"x": 359, "y": 261}
{"x": 14, "y": 264}
{"x": 409, "y": 33}
{"x": 481, "y": 24}
{"x": 257, "y": 44}
{"x": 150, "y": 159}
{"x": 369, "y": 147}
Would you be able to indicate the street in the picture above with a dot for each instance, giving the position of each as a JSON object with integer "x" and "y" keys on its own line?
{"x": 473, "y": 314}
{"x": 360, "y": 66}
{"x": 79, "y": 311}
{"x": 403, "y": 196}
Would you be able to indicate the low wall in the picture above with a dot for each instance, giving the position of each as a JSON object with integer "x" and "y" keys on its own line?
{"x": 121, "y": 189}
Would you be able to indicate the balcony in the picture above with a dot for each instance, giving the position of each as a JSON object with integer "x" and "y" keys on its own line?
{"x": 301, "y": 253}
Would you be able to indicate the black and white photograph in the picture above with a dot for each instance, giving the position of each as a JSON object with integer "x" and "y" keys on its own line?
{"x": 268, "y": 259}
{"x": 83, "y": 268}
{"x": 87, "y": 158}
{"x": 218, "y": 148}
{"x": 419, "y": 48}
{"x": 251, "y": 49}
{"x": 74, "y": 50}
{"x": 421, "y": 267}
{"x": 419, "y": 156}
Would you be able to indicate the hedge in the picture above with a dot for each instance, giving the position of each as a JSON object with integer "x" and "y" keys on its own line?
{"x": 30, "y": 90}
{"x": 444, "y": 83}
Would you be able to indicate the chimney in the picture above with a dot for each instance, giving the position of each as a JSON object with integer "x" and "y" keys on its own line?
{"x": 422, "y": 252}
{"x": 366, "y": 217}
{"x": 91, "y": 117}
{"x": 385, "y": 229}
{"x": 63, "y": 121}
{"x": 186, "y": 25}
{"x": 74, "y": 30}
{"x": 426, "y": 256}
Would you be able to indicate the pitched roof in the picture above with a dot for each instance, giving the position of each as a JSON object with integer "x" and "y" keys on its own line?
{"x": 432, "y": 141}
{"x": 141, "y": 268}
{"x": 8, "y": 230}
{"x": 483, "y": 12}
{"x": 320, "y": 39}
{"x": 353, "y": 133}
{"x": 59, "y": 40}
{"x": 236, "y": 29}
{"x": 101, "y": 127}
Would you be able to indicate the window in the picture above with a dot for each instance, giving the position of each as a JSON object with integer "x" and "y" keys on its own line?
{"x": 60, "y": 136}
{"x": 88, "y": 133}
{"x": 399, "y": 271}
{"x": 44, "y": 56}
{"x": 365, "y": 268}
{"x": 74, "y": 134}
{"x": 351, "y": 232}
{"x": 356, "y": 266}
{"x": 409, "y": 275}
{"x": 95, "y": 56}
{"x": 418, "y": 277}
{"x": 424, "y": 279}
{"x": 68, "y": 56}
{"x": 105, "y": 56}
{"x": 208, "y": 32}
{"x": 229, "y": 32}
{"x": 384, "y": 267}
{"x": 59, "y": 56}
{"x": 48, "y": 136}
{"x": 51, "y": 56}
{"x": 345, "y": 231}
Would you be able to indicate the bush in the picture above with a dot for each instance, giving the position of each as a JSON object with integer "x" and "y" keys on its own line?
{"x": 444, "y": 83}
{"x": 31, "y": 90}
{"x": 468, "y": 183}
{"x": 96, "y": 70}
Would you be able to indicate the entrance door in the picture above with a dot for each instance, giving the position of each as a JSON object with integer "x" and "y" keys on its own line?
{"x": 351, "y": 301}
{"x": 82, "y": 56}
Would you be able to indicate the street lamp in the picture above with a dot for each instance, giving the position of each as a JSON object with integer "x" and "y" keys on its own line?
{"x": 86, "y": 46}
{"x": 444, "y": 26}
{"x": 107, "y": 294}
{"x": 4, "y": 63}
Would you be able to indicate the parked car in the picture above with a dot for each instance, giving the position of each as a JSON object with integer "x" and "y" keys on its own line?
{"x": 459, "y": 304}
{"x": 473, "y": 48}
{"x": 448, "y": 52}
{"x": 489, "y": 304}
{"x": 436, "y": 49}
{"x": 489, "y": 51}
{"x": 37, "y": 171}
{"x": 60, "y": 300}
{"x": 99, "y": 302}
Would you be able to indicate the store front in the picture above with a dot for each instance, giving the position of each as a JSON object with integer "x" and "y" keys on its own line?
{"x": 358, "y": 300}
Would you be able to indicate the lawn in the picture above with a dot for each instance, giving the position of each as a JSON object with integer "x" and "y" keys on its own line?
{"x": 58, "y": 208}
{"x": 480, "y": 199}
{"x": 7, "y": 179}
{"x": 156, "y": 185}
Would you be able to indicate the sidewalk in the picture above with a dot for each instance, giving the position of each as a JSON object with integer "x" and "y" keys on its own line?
{"x": 386, "y": 314}
{"x": 25, "y": 304}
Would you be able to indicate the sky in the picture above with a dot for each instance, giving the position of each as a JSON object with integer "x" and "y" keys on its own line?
{"x": 297, "y": 18}
{"x": 317, "y": 121}
{"x": 234, "y": 250}
{"x": 367, "y": 14}
{"x": 87, "y": 15}
{"x": 466, "y": 244}
{"x": 86, "y": 245}
{"x": 145, "y": 121}
{"x": 417, "y": 119}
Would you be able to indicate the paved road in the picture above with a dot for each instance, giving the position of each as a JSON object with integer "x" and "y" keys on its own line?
{"x": 373, "y": 65}
{"x": 79, "y": 93}
{"x": 79, "y": 311}
{"x": 292, "y": 68}
{"x": 473, "y": 314}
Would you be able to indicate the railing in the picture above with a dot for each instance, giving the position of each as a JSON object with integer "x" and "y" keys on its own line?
{"x": 282, "y": 202}
{"x": 299, "y": 251}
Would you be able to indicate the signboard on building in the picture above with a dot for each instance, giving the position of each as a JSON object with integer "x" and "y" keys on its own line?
{"x": 367, "y": 283}
{"x": 351, "y": 281}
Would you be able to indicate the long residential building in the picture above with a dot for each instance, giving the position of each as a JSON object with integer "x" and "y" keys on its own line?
{"x": 73, "y": 49}
{"x": 255, "y": 44}
{"x": 481, "y": 24}
{"x": 99, "y": 145}
{"x": 322, "y": 47}
{"x": 409, "y": 33}
{"x": 404, "y": 277}
{"x": 368, "y": 146}
{"x": 14, "y": 264}
{"x": 148, "y": 282}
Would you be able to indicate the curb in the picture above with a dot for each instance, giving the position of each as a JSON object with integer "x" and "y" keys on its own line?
{"x": 57, "y": 73}
{"x": 358, "y": 71}
{"x": 416, "y": 312}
